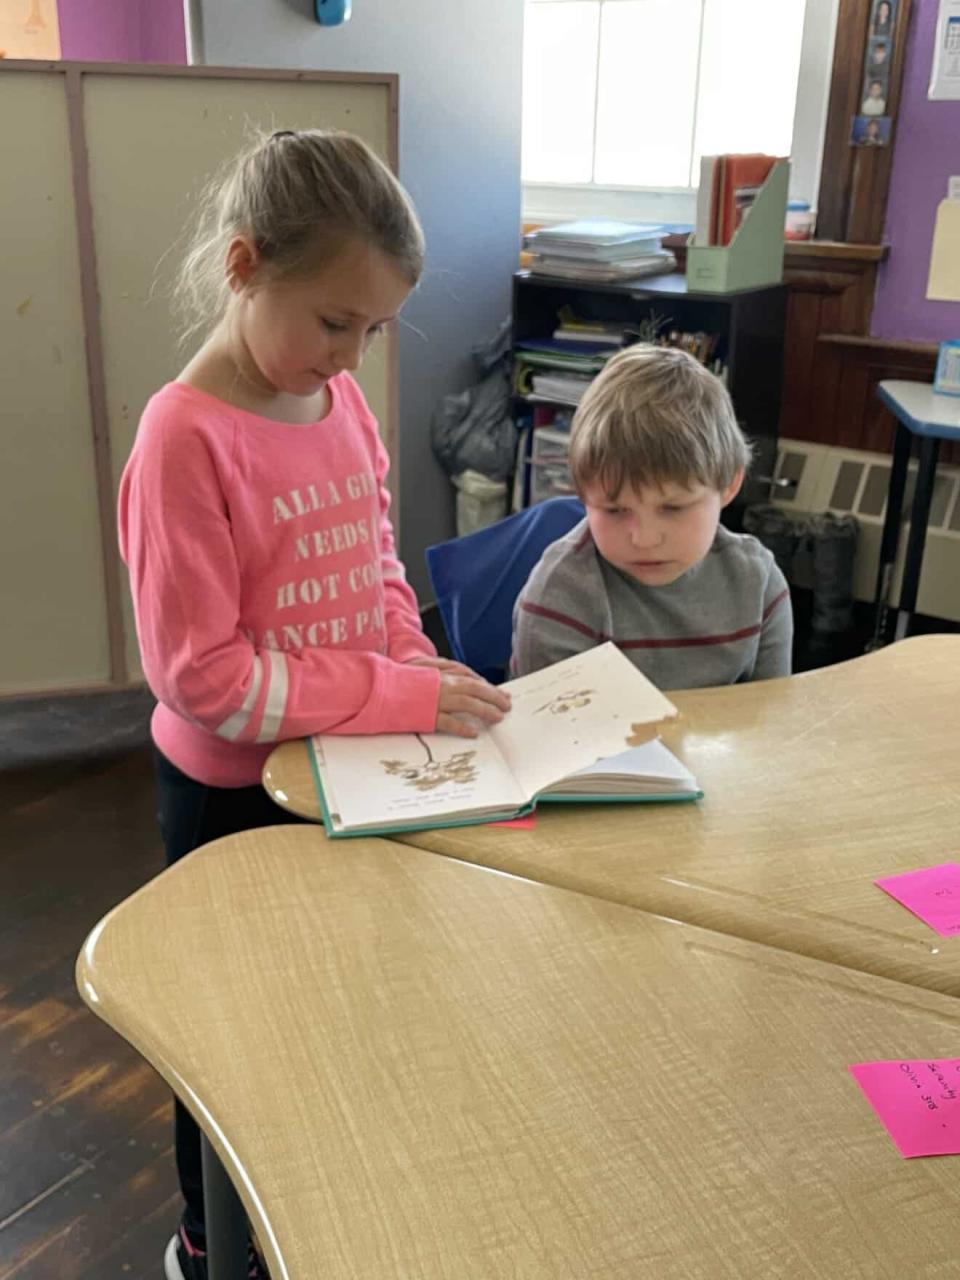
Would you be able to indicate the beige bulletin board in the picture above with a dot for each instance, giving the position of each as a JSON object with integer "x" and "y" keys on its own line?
{"x": 54, "y": 617}
{"x": 128, "y": 148}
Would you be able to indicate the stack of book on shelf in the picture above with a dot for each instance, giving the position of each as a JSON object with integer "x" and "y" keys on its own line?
{"x": 728, "y": 187}
{"x": 599, "y": 250}
{"x": 555, "y": 370}
{"x": 560, "y": 368}
{"x": 605, "y": 334}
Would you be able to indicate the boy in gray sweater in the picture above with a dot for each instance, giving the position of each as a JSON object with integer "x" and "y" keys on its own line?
{"x": 656, "y": 453}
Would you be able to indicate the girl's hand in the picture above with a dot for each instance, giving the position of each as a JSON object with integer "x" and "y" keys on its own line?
{"x": 441, "y": 664}
{"x": 465, "y": 699}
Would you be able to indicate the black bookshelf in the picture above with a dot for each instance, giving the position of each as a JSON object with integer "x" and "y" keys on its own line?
{"x": 750, "y": 324}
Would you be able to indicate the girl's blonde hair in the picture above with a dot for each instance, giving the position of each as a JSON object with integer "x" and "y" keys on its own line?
{"x": 298, "y": 196}
{"x": 655, "y": 414}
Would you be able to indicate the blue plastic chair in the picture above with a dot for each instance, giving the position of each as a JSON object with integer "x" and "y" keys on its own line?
{"x": 478, "y": 577}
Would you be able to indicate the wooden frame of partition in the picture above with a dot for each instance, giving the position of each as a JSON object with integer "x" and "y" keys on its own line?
{"x": 74, "y": 74}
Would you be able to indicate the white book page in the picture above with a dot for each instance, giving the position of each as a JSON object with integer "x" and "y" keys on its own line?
{"x": 403, "y": 777}
{"x": 574, "y": 713}
{"x": 653, "y": 761}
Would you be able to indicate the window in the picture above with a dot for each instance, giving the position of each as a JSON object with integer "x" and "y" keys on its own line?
{"x": 622, "y": 98}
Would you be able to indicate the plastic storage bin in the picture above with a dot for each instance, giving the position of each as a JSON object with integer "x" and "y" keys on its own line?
{"x": 800, "y": 221}
{"x": 549, "y": 465}
{"x": 480, "y": 501}
{"x": 550, "y": 445}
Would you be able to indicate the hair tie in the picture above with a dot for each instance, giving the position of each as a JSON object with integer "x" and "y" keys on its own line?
{"x": 282, "y": 133}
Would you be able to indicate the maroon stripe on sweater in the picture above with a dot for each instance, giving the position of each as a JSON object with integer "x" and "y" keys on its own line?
{"x": 773, "y": 603}
{"x": 678, "y": 642}
{"x": 562, "y": 618}
{"x": 690, "y": 642}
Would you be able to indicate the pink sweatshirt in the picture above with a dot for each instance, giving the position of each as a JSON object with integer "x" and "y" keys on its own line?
{"x": 269, "y": 599}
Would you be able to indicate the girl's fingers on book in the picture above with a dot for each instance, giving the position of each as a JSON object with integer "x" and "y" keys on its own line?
{"x": 463, "y": 704}
{"x": 453, "y": 724}
{"x": 474, "y": 688}
{"x": 475, "y": 697}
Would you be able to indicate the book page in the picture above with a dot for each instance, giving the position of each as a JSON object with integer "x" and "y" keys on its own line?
{"x": 574, "y": 713}
{"x": 397, "y": 778}
{"x": 653, "y": 762}
{"x": 943, "y": 284}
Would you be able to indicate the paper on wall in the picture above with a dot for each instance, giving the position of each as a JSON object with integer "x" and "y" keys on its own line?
{"x": 945, "y": 72}
{"x": 943, "y": 284}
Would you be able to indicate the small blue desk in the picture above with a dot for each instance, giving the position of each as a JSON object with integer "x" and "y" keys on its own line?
{"x": 932, "y": 417}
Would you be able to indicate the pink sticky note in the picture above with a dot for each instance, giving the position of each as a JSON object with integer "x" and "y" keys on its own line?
{"x": 918, "y": 1103}
{"x": 932, "y": 893}
{"x": 518, "y": 824}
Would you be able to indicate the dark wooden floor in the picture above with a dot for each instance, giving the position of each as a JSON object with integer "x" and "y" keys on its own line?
{"x": 87, "y": 1184}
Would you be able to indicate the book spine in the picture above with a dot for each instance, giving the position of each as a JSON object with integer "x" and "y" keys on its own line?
{"x": 701, "y": 233}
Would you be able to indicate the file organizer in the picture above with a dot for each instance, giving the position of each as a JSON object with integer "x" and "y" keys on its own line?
{"x": 754, "y": 256}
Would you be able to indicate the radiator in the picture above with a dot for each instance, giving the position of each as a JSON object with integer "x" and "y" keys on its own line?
{"x": 817, "y": 477}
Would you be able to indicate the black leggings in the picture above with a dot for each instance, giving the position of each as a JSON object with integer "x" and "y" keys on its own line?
{"x": 192, "y": 814}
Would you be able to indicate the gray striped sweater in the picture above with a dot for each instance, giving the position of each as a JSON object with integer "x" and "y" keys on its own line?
{"x": 725, "y": 620}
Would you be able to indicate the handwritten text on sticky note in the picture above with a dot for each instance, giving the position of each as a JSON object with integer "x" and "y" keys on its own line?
{"x": 932, "y": 893}
{"x": 918, "y": 1103}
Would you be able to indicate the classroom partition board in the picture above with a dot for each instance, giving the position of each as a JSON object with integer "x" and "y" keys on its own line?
{"x": 54, "y": 627}
{"x": 107, "y": 163}
{"x": 184, "y": 128}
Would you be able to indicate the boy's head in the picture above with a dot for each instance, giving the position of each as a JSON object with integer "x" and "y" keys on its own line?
{"x": 876, "y": 89}
{"x": 656, "y": 454}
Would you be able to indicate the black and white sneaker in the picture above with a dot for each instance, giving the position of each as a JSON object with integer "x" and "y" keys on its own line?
{"x": 184, "y": 1261}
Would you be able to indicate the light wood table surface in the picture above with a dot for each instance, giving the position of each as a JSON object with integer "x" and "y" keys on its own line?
{"x": 814, "y": 786}
{"x": 417, "y": 1068}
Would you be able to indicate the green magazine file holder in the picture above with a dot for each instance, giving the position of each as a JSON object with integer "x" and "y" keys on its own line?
{"x": 754, "y": 256}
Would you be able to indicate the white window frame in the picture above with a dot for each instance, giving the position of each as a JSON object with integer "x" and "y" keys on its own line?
{"x": 557, "y": 201}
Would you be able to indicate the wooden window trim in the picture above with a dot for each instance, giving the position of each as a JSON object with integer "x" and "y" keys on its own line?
{"x": 855, "y": 180}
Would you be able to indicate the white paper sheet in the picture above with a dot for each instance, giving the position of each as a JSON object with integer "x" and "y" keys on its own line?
{"x": 945, "y": 72}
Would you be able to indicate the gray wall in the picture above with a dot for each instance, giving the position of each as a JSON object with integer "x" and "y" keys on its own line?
{"x": 459, "y": 65}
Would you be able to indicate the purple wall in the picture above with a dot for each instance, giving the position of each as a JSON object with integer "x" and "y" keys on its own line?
{"x": 926, "y": 153}
{"x": 163, "y": 31}
{"x": 122, "y": 30}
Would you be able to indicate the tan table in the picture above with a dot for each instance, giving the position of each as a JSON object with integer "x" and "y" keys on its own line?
{"x": 415, "y": 1068}
{"x": 814, "y": 786}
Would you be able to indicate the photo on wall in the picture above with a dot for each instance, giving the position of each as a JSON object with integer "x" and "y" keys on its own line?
{"x": 877, "y": 64}
{"x": 871, "y": 131}
{"x": 871, "y": 127}
{"x": 874, "y": 98}
{"x": 882, "y": 18}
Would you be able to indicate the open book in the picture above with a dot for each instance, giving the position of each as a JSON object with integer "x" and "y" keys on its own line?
{"x": 582, "y": 730}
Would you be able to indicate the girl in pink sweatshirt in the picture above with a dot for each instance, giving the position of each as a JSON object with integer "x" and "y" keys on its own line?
{"x": 269, "y": 599}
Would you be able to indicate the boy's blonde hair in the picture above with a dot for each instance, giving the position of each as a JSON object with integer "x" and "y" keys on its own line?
{"x": 655, "y": 414}
{"x": 299, "y": 196}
